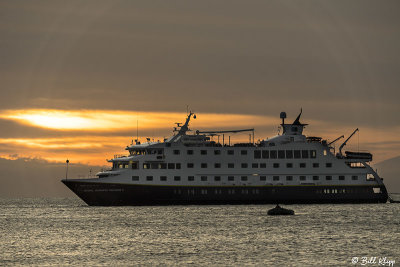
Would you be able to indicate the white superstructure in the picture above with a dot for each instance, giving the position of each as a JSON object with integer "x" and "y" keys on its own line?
{"x": 289, "y": 163}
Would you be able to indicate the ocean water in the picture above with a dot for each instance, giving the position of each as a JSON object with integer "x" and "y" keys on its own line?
{"x": 68, "y": 232}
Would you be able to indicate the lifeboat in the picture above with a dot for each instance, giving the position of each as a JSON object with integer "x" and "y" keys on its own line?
{"x": 359, "y": 155}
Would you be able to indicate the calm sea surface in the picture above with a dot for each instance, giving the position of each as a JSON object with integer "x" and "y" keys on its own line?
{"x": 68, "y": 232}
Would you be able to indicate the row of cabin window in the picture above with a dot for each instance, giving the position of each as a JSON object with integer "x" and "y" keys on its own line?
{"x": 257, "y": 191}
{"x": 205, "y": 152}
{"x": 245, "y": 178}
{"x": 216, "y": 191}
{"x": 230, "y": 165}
{"x": 161, "y": 166}
{"x": 285, "y": 154}
{"x": 265, "y": 154}
{"x": 146, "y": 152}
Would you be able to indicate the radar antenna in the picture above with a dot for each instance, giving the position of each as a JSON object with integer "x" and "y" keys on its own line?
{"x": 182, "y": 128}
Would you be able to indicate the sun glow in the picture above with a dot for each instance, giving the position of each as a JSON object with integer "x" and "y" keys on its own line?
{"x": 91, "y": 136}
{"x": 107, "y": 120}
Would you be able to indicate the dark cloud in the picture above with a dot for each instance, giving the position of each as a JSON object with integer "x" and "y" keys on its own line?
{"x": 334, "y": 58}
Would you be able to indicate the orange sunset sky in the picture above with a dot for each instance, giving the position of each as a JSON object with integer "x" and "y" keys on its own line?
{"x": 77, "y": 76}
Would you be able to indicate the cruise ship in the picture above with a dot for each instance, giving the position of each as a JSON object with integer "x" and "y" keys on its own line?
{"x": 191, "y": 168}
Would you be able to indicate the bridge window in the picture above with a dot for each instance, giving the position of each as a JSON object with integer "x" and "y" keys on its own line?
{"x": 203, "y": 152}
{"x": 263, "y": 165}
{"x": 329, "y": 165}
{"x": 370, "y": 177}
{"x": 297, "y": 154}
{"x": 254, "y": 165}
{"x": 154, "y": 165}
{"x": 302, "y": 165}
{"x": 265, "y": 154}
{"x": 217, "y": 152}
{"x": 355, "y": 165}
{"x": 289, "y": 165}
{"x": 146, "y": 165}
{"x": 273, "y": 154}
{"x": 276, "y": 165}
{"x": 257, "y": 154}
{"x": 243, "y": 152}
{"x": 217, "y": 165}
{"x": 190, "y": 165}
{"x": 289, "y": 154}
{"x": 231, "y": 165}
{"x": 135, "y": 165}
{"x": 190, "y": 152}
{"x": 231, "y": 152}
{"x": 171, "y": 165}
{"x": 315, "y": 165}
{"x": 244, "y": 165}
{"x": 281, "y": 154}
{"x": 313, "y": 154}
{"x": 304, "y": 154}
{"x": 204, "y": 165}
{"x": 176, "y": 152}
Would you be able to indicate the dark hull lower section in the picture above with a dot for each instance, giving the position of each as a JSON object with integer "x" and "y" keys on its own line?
{"x": 102, "y": 194}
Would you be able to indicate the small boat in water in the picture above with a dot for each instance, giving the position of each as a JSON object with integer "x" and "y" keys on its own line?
{"x": 278, "y": 210}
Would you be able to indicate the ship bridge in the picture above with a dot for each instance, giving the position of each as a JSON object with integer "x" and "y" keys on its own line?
{"x": 296, "y": 128}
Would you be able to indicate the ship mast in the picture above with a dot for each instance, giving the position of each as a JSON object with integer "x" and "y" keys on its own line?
{"x": 184, "y": 128}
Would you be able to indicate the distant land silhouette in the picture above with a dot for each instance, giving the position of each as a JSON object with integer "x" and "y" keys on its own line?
{"x": 34, "y": 177}
{"x": 27, "y": 177}
{"x": 389, "y": 170}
